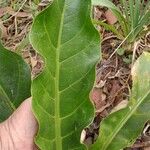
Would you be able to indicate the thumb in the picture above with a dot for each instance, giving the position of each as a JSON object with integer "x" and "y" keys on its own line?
{"x": 22, "y": 124}
{"x": 23, "y": 120}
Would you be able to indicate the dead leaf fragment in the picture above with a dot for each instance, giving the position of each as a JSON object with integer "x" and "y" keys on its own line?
{"x": 121, "y": 105}
{"x": 111, "y": 19}
{"x": 33, "y": 62}
{"x": 3, "y": 30}
{"x": 99, "y": 98}
{"x": 97, "y": 13}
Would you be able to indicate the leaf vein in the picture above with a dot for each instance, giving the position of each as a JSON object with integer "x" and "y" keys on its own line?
{"x": 46, "y": 31}
{"x": 122, "y": 122}
{"x": 74, "y": 110}
{"x": 91, "y": 43}
{"x": 67, "y": 135}
{"x": 82, "y": 77}
{"x": 45, "y": 111}
{"x": 45, "y": 89}
{"x": 78, "y": 33}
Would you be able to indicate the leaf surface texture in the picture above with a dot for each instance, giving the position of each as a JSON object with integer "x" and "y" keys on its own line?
{"x": 15, "y": 82}
{"x": 64, "y": 35}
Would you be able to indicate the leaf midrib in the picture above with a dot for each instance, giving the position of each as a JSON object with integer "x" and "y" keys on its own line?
{"x": 57, "y": 96}
{"x": 121, "y": 124}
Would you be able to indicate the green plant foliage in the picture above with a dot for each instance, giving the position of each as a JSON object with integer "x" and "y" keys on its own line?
{"x": 133, "y": 16}
{"x": 106, "y": 3}
{"x": 15, "y": 82}
{"x": 64, "y": 35}
{"x": 121, "y": 129}
{"x": 108, "y": 27}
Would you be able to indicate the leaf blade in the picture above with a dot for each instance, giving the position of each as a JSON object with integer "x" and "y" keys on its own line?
{"x": 71, "y": 53}
{"x": 15, "y": 81}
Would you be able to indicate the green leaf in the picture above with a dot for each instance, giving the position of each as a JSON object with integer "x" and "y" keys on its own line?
{"x": 139, "y": 19}
{"x": 145, "y": 21}
{"x": 15, "y": 82}
{"x": 64, "y": 35}
{"x": 106, "y": 3}
{"x": 121, "y": 51}
{"x": 120, "y": 129}
{"x": 116, "y": 12}
{"x": 108, "y": 27}
{"x": 131, "y": 20}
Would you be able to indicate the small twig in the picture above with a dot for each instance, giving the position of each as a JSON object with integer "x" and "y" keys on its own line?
{"x": 15, "y": 13}
{"x": 109, "y": 37}
{"x": 119, "y": 46}
{"x": 134, "y": 52}
{"x": 116, "y": 68}
{"x": 16, "y": 26}
{"x": 122, "y": 43}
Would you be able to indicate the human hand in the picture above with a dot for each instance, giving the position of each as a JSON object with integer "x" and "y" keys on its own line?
{"x": 19, "y": 130}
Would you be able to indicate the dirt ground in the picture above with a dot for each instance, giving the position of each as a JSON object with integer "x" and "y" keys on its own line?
{"x": 113, "y": 72}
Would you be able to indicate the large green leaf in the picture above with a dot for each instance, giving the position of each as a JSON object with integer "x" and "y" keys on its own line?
{"x": 64, "y": 35}
{"x": 121, "y": 129}
{"x": 15, "y": 82}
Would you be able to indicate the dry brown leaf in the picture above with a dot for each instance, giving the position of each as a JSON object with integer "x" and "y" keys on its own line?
{"x": 97, "y": 13}
{"x": 98, "y": 97}
{"x": 23, "y": 14}
{"x": 110, "y": 17}
{"x": 3, "y": 30}
{"x": 44, "y": 3}
{"x": 33, "y": 62}
{"x": 100, "y": 84}
{"x": 1, "y": 12}
{"x": 18, "y": 14}
{"x": 120, "y": 106}
{"x": 5, "y": 10}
